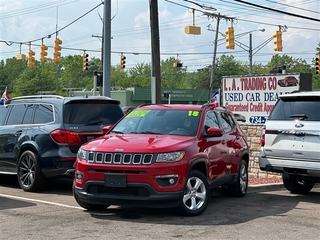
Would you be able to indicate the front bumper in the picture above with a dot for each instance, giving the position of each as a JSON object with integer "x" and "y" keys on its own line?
{"x": 134, "y": 194}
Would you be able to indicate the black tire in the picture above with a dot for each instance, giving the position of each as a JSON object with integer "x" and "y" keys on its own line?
{"x": 239, "y": 188}
{"x": 296, "y": 186}
{"x": 88, "y": 206}
{"x": 30, "y": 176}
{"x": 196, "y": 195}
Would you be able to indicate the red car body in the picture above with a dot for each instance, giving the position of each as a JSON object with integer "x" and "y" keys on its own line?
{"x": 288, "y": 81}
{"x": 123, "y": 166}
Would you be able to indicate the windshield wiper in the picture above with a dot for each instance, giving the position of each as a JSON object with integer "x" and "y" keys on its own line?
{"x": 116, "y": 132}
{"x": 299, "y": 116}
{"x": 93, "y": 123}
{"x": 148, "y": 132}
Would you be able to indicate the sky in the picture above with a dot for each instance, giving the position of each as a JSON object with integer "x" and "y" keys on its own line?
{"x": 78, "y": 23}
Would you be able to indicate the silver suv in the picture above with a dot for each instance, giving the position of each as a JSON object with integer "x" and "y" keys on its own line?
{"x": 290, "y": 141}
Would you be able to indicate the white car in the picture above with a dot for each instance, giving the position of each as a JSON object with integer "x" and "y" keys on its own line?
{"x": 290, "y": 141}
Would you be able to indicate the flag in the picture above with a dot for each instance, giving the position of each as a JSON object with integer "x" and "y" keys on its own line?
{"x": 215, "y": 97}
{"x": 5, "y": 97}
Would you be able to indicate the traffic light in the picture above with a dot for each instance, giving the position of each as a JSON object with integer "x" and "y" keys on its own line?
{"x": 278, "y": 41}
{"x": 177, "y": 64}
{"x": 318, "y": 64}
{"x": 122, "y": 61}
{"x": 56, "y": 50}
{"x": 230, "y": 38}
{"x": 85, "y": 61}
{"x": 43, "y": 53}
{"x": 31, "y": 58}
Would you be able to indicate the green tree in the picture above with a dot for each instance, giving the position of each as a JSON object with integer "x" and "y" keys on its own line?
{"x": 32, "y": 80}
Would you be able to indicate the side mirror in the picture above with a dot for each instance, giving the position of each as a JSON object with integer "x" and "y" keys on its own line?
{"x": 239, "y": 117}
{"x": 106, "y": 129}
{"x": 214, "y": 132}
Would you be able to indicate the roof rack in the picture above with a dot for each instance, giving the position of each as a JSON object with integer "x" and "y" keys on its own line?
{"x": 37, "y": 96}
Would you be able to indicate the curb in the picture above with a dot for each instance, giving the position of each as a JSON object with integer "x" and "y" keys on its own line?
{"x": 265, "y": 187}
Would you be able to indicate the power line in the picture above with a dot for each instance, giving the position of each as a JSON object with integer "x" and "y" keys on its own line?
{"x": 279, "y": 11}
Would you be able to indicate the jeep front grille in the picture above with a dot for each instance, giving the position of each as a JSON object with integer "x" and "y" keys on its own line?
{"x": 120, "y": 158}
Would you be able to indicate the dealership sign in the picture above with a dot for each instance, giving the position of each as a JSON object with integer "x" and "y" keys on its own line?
{"x": 255, "y": 96}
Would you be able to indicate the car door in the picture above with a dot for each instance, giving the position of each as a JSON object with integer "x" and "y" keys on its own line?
{"x": 230, "y": 137}
{"x": 16, "y": 125}
{"x": 215, "y": 147}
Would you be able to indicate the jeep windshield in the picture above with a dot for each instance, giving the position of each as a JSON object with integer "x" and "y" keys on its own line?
{"x": 169, "y": 121}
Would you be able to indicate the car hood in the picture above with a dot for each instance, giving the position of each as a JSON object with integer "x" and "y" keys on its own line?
{"x": 137, "y": 143}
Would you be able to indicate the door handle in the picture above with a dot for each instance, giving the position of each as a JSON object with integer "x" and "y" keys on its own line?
{"x": 18, "y": 133}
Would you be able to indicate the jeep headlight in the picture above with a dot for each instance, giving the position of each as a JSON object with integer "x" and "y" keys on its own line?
{"x": 171, "y": 156}
{"x": 82, "y": 154}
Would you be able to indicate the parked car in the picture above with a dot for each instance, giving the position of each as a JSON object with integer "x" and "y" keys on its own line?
{"x": 290, "y": 141}
{"x": 165, "y": 156}
{"x": 40, "y": 135}
{"x": 127, "y": 109}
{"x": 288, "y": 81}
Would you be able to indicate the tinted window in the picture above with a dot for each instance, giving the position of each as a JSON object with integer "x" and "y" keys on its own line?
{"x": 3, "y": 114}
{"x": 211, "y": 120}
{"x": 92, "y": 112}
{"x": 43, "y": 114}
{"x": 27, "y": 118}
{"x": 226, "y": 122}
{"x": 16, "y": 114}
{"x": 287, "y": 107}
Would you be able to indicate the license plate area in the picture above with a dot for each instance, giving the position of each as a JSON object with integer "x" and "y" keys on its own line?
{"x": 115, "y": 180}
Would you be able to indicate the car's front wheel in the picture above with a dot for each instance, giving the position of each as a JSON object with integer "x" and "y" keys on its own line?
{"x": 297, "y": 186}
{"x": 196, "y": 195}
{"x": 88, "y": 206}
{"x": 30, "y": 176}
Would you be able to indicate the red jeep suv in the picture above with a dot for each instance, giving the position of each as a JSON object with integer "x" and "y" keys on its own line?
{"x": 164, "y": 156}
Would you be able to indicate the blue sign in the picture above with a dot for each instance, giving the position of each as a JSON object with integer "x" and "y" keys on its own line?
{"x": 258, "y": 119}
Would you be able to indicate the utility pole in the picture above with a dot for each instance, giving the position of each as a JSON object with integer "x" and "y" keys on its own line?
{"x": 250, "y": 53}
{"x": 213, "y": 67}
{"x": 218, "y": 17}
{"x": 106, "y": 43}
{"x": 155, "y": 53}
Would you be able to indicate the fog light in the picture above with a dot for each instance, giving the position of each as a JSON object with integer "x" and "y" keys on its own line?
{"x": 172, "y": 181}
{"x": 79, "y": 176}
{"x": 167, "y": 180}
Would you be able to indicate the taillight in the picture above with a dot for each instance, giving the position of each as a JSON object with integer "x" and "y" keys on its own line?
{"x": 263, "y": 136}
{"x": 64, "y": 136}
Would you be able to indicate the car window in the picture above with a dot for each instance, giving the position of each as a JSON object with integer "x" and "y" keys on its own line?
{"x": 27, "y": 118}
{"x": 92, "y": 112}
{"x": 16, "y": 114}
{"x": 211, "y": 120}
{"x": 287, "y": 107}
{"x": 226, "y": 123}
{"x": 3, "y": 114}
{"x": 43, "y": 113}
